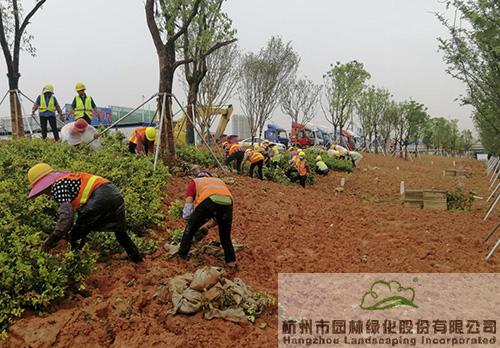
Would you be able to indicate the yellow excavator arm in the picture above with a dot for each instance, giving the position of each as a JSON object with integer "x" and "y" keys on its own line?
{"x": 204, "y": 112}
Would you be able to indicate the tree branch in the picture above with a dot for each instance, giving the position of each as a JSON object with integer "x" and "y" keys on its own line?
{"x": 153, "y": 27}
{"x": 5, "y": 44}
{"x": 186, "y": 24}
{"x": 30, "y": 15}
{"x": 217, "y": 46}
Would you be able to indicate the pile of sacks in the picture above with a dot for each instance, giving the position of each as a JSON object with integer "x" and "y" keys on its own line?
{"x": 207, "y": 290}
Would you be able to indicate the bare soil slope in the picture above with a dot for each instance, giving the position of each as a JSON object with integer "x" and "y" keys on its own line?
{"x": 285, "y": 229}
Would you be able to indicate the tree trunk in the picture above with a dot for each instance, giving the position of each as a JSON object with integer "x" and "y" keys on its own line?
{"x": 376, "y": 138}
{"x": 16, "y": 116}
{"x": 191, "y": 111}
{"x": 167, "y": 147}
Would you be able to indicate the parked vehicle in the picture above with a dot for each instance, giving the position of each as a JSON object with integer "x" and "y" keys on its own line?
{"x": 248, "y": 142}
{"x": 303, "y": 135}
{"x": 276, "y": 135}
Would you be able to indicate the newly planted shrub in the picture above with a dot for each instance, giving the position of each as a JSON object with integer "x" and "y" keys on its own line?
{"x": 175, "y": 210}
{"x": 31, "y": 278}
{"x": 458, "y": 200}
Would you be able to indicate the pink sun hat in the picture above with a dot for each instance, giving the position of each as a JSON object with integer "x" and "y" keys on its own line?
{"x": 45, "y": 182}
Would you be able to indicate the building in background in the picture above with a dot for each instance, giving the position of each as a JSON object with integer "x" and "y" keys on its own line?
{"x": 240, "y": 127}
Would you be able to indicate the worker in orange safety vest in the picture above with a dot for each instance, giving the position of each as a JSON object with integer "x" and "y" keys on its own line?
{"x": 96, "y": 201}
{"x": 208, "y": 198}
{"x": 256, "y": 159}
{"x": 142, "y": 141}
{"x": 235, "y": 153}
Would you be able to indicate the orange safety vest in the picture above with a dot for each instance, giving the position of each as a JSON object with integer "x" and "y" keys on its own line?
{"x": 301, "y": 167}
{"x": 234, "y": 148}
{"x": 88, "y": 183}
{"x": 206, "y": 187}
{"x": 139, "y": 133}
{"x": 255, "y": 157}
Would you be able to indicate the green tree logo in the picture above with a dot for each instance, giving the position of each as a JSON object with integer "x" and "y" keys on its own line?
{"x": 385, "y": 295}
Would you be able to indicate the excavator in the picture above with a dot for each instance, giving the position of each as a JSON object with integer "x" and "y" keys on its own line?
{"x": 204, "y": 113}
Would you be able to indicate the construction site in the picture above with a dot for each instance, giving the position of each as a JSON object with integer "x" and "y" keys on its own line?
{"x": 257, "y": 195}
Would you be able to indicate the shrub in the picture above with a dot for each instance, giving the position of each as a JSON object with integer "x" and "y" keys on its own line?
{"x": 194, "y": 155}
{"x": 175, "y": 235}
{"x": 31, "y": 278}
{"x": 458, "y": 200}
{"x": 175, "y": 210}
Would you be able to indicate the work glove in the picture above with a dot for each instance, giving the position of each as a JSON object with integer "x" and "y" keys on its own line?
{"x": 187, "y": 210}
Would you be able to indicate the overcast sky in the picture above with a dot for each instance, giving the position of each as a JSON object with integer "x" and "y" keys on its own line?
{"x": 106, "y": 45}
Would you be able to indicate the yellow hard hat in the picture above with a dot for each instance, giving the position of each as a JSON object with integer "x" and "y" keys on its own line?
{"x": 150, "y": 133}
{"x": 319, "y": 158}
{"x": 302, "y": 154}
{"x": 37, "y": 172}
{"x": 48, "y": 88}
{"x": 337, "y": 153}
{"x": 256, "y": 147}
{"x": 80, "y": 87}
{"x": 291, "y": 148}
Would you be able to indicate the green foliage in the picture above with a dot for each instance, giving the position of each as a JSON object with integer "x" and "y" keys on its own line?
{"x": 458, "y": 200}
{"x": 31, "y": 278}
{"x": 175, "y": 210}
{"x": 175, "y": 235}
{"x": 472, "y": 54}
{"x": 193, "y": 155}
{"x": 333, "y": 163}
{"x": 343, "y": 86}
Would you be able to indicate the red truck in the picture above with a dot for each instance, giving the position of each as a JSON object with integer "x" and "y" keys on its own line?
{"x": 302, "y": 135}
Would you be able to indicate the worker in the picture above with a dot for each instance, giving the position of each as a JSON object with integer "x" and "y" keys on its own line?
{"x": 355, "y": 157}
{"x": 80, "y": 132}
{"x": 47, "y": 105}
{"x": 142, "y": 141}
{"x": 83, "y": 106}
{"x": 235, "y": 154}
{"x": 302, "y": 168}
{"x": 292, "y": 152}
{"x": 256, "y": 159}
{"x": 321, "y": 167}
{"x": 265, "y": 150}
{"x": 208, "y": 198}
{"x": 275, "y": 155}
{"x": 97, "y": 202}
{"x": 225, "y": 149}
{"x": 343, "y": 152}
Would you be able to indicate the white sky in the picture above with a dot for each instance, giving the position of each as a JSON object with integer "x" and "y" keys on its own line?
{"x": 106, "y": 45}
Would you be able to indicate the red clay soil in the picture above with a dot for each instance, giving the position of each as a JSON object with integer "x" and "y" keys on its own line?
{"x": 285, "y": 229}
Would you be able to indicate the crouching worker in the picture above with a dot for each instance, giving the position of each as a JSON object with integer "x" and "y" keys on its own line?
{"x": 208, "y": 198}
{"x": 355, "y": 157}
{"x": 80, "y": 132}
{"x": 256, "y": 159}
{"x": 321, "y": 167}
{"x": 235, "y": 154}
{"x": 97, "y": 202}
{"x": 142, "y": 141}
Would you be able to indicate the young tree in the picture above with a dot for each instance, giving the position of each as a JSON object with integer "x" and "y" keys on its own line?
{"x": 387, "y": 122}
{"x": 473, "y": 56}
{"x": 299, "y": 100}
{"x": 262, "y": 79}
{"x": 415, "y": 118}
{"x": 13, "y": 39}
{"x": 210, "y": 30}
{"x": 466, "y": 141}
{"x": 372, "y": 106}
{"x": 167, "y": 21}
{"x": 343, "y": 85}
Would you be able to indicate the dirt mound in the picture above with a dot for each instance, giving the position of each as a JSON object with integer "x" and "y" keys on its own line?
{"x": 285, "y": 229}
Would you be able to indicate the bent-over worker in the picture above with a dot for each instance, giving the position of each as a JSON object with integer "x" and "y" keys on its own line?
{"x": 256, "y": 159}
{"x": 321, "y": 167}
{"x": 208, "y": 198}
{"x": 80, "y": 133}
{"x": 235, "y": 154}
{"x": 96, "y": 201}
{"x": 142, "y": 141}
